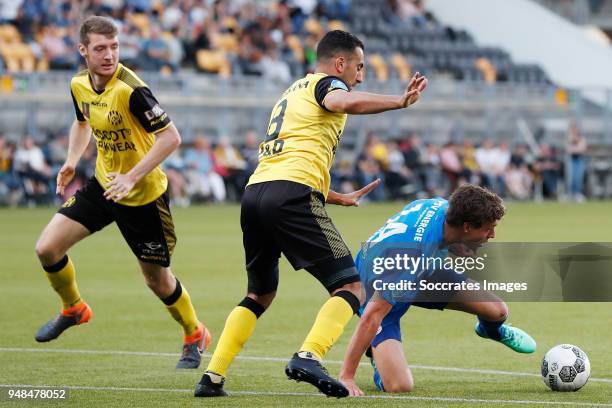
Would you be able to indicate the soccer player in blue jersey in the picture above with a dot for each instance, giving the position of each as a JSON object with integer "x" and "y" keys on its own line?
{"x": 425, "y": 229}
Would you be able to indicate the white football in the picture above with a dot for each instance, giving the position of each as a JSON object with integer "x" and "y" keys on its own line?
{"x": 565, "y": 368}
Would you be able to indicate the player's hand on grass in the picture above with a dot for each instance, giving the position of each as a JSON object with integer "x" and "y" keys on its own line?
{"x": 118, "y": 187}
{"x": 417, "y": 84}
{"x": 351, "y": 386}
{"x": 64, "y": 177}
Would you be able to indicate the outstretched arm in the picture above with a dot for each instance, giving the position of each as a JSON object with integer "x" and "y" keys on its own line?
{"x": 351, "y": 199}
{"x": 365, "y": 332}
{"x": 358, "y": 103}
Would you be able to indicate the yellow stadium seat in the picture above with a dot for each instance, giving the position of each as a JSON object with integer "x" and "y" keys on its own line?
{"x": 214, "y": 61}
{"x": 487, "y": 69}
{"x": 141, "y": 22}
{"x": 336, "y": 25}
{"x": 402, "y": 67}
{"x": 313, "y": 26}
{"x": 226, "y": 42}
{"x": 9, "y": 34}
{"x": 295, "y": 44}
{"x": 381, "y": 70}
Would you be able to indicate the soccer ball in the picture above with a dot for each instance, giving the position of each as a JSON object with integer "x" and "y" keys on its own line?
{"x": 565, "y": 368}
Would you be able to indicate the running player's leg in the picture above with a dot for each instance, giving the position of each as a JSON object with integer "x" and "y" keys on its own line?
{"x": 309, "y": 240}
{"x": 80, "y": 216}
{"x": 492, "y": 313}
{"x": 262, "y": 254}
{"x": 149, "y": 231}
{"x": 56, "y": 239}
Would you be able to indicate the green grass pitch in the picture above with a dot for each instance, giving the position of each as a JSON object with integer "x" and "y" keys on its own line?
{"x": 125, "y": 356}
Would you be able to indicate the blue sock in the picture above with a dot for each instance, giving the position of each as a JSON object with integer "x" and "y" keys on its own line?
{"x": 491, "y": 328}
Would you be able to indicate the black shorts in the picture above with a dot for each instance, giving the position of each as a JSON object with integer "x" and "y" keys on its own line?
{"x": 148, "y": 229}
{"x": 290, "y": 218}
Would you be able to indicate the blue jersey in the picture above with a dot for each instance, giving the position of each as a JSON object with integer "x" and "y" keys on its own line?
{"x": 415, "y": 232}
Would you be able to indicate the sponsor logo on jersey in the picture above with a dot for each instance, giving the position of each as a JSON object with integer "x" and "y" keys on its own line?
{"x": 156, "y": 112}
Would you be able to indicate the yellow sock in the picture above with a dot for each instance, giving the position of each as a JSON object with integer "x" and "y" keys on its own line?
{"x": 182, "y": 309}
{"x": 238, "y": 328}
{"x": 329, "y": 325}
{"x": 63, "y": 280}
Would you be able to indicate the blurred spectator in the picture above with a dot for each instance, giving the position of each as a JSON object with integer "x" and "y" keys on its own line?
{"x": 231, "y": 167}
{"x": 57, "y": 50}
{"x": 576, "y": 147}
{"x": 176, "y": 52}
{"x": 548, "y": 167}
{"x": 493, "y": 162}
{"x": 398, "y": 178}
{"x": 7, "y": 181}
{"x": 129, "y": 52}
{"x": 250, "y": 151}
{"x": 155, "y": 52}
{"x": 369, "y": 168}
{"x": 468, "y": 159}
{"x": 174, "y": 167}
{"x": 335, "y": 9}
{"x": 451, "y": 165}
{"x": 404, "y": 12}
{"x": 56, "y": 153}
{"x": 275, "y": 69}
{"x": 34, "y": 173}
{"x": 376, "y": 150}
{"x": 519, "y": 181}
{"x": 519, "y": 156}
{"x": 431, "y": 169}
{"x": 414, "y": 159}
{"x": 203, "y": 181}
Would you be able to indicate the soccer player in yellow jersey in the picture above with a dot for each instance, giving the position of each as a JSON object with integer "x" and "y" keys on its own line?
{"x": 133, "y": 136}
{"x": 283, "y": 210}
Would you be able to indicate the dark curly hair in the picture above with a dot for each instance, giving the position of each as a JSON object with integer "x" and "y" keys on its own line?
{"x": 474, "y": 205}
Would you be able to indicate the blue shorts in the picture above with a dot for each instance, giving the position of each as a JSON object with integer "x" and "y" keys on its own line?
{"x": 390, "y": 326}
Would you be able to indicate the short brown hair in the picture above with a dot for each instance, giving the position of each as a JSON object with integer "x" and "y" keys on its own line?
{"x": 474, "y": 205}
{"x": 97, "y": 25}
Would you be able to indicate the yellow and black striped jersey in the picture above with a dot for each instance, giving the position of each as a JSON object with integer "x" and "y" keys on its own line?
{"x": 124, "y": 118}
{"x": 302, "y": 135}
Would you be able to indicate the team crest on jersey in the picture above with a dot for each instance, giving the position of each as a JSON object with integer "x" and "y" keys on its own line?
{"x": 114, "y": 118}
{"x": 85, "y": 106}
{"x": 69, "y": 202}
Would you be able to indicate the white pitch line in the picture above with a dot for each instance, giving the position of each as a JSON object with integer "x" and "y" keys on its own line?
{"x": 309, "y": 394}
{"x": 276, "y": 359}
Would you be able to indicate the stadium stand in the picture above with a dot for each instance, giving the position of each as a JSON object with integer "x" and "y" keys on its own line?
{"x": 226, "y": 62}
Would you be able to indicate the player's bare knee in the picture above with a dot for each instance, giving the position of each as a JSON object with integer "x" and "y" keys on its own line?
{"x": 397, "y": 387}
{"x": 502, "y": 311}
{"x": 495, "y": 311}
{"x": 47, "y": 252}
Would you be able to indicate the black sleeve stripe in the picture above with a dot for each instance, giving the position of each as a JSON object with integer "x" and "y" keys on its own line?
{"x": 129, "y": 78}
{"x": 146, "y": 109}
{"x": 324, "y": 86}
{"x": 77, "y": 110}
